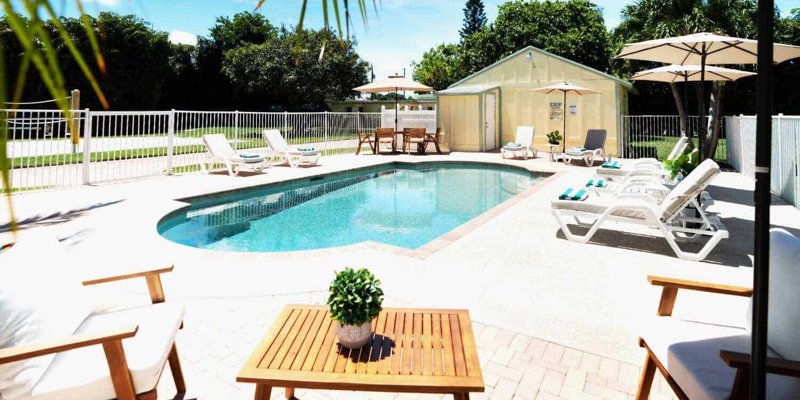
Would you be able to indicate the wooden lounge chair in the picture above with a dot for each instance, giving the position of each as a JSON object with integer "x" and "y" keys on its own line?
{"x": 220, "y": 151}
{"x": 434, "y": 138}
{"x": 414, "y": 137}
{"x": 712, "y": 361}
{"x": 118, "y": 354}
{"x": 523, "y": 144}
{"x": 667, "y": 216}
{"x": 384, "y": 136}
{"x": 591, "y": 150}
{"x": 365, "y": 138}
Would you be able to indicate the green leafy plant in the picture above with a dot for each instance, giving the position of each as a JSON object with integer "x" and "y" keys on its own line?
{"x": 683, "y": 164}
{"x": 554, "y": 137}
{"x": 355, "y": 297}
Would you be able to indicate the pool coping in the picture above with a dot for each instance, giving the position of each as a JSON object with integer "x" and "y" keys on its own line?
{"x": 428, "y": 249}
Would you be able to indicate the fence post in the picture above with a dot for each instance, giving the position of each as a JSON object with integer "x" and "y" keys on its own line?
{"x": 87, "y": 140}
{"x": 236, "y": 129}
{"x": 285, "y": 123}
{"x": 170, "y": 140}
{"x": 325, "y": 129}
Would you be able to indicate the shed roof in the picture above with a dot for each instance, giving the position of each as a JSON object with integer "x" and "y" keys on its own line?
{"x": 549, "y": 54}
{"x": 466, "y": 90}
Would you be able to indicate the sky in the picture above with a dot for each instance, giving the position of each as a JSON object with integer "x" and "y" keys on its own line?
{"x": 400, "y": 33}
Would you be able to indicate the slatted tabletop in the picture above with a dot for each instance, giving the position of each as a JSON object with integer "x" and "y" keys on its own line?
{"x": 412, "y": 350}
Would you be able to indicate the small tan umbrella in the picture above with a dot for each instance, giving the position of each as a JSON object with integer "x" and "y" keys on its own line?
{"x": 684, "y": 73}
{"x": 565, "y": 87}
{"x": 394, "y": 84}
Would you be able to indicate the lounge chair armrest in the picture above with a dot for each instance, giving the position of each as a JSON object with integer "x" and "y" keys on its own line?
{"x": 778, "y": 366}
{"x": 153, "y": 278}
{"x": 671, "y": 286}
{"x": 18, "y": 353}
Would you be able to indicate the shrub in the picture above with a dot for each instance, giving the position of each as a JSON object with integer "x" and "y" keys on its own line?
{"x": 683, "y": 164}
{"x": 554, "y": 137}
{"x": 355, "y": 297}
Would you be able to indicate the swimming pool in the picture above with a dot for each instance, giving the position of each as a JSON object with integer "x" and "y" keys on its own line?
{"x": 399, "y": 204}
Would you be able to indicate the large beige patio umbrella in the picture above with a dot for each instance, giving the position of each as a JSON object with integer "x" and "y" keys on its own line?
{"x": 674, "y": 73}
{"x": 565, "y": 87}
{"x": 703, "y": 48}
{"x": 394, "y": 84}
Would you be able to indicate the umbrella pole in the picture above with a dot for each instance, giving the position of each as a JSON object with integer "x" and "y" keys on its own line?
{"x": 702, "y": 133}
{"x": 758, "y": 374}
{"x": 564, "y": 117}
{"x": 686, "y": 104}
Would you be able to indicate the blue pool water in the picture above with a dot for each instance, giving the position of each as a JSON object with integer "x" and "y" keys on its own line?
{"x": 398, "y": 204}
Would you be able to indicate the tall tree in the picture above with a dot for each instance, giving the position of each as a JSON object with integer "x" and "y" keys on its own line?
{"x": 440, "y": 66}
{"x": 474, "y": 18}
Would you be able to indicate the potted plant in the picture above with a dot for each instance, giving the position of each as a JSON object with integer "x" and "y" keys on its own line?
{"x": 683, "y": 164}
{"x": 554, "y": 137}
{"x": 355, "y": 298}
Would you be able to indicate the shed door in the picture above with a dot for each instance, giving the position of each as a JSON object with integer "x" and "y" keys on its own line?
{"x": 489, "y": 111}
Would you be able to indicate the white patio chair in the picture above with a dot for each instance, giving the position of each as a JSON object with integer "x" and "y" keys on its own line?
{"x": 293, "y": 156}
{"x": 523, "y": 140}
{"x": 591, "y": 150}
{"x": 55, "y": 348}
{"x": 644, "y": 166}
{"x": 220, "y": 151}
{"x": 701, "y": 360}
{"x": 668, "y": 216}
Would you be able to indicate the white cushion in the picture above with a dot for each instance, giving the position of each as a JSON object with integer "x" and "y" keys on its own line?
{"x": 40, "y": 299}
{"x": 690, "y": 352}
{"x": 83, "y": 374}
{"x": 247, "y": 160}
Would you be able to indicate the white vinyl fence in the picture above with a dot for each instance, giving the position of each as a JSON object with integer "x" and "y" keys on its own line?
{"x": 741, "y": 133}
{"x": 107, "y": 146}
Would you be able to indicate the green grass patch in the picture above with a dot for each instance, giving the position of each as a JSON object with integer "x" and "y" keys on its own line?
{"x": 660, "y": 148}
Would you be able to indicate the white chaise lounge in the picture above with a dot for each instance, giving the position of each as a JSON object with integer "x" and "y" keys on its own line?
{"x": 523, "y": 144}
{"x": 668, "y": 216}
{"x": 591, "y": 150}
{"x": 644, "y": 166}
{"x": 707, "y": 360}
{"x": 293, "y": 156}
{"x": 221, "y": 152}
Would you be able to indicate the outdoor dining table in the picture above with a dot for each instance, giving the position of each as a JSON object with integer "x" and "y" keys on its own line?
{"x": 394, "y": 145}
{"x": 412, "y": 351}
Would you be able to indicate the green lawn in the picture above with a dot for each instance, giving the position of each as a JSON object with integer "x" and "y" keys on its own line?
{"x": 660, "y": 148}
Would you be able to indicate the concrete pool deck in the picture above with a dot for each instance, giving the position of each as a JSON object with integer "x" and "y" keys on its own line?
{"x": 542, "y": 304}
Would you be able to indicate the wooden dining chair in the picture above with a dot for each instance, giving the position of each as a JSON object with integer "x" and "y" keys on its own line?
{"x": 414, "y": 136}
{"x": 384, "y": 136}
{"x": 365, "y": 138}
{"x": 433, "y": 138}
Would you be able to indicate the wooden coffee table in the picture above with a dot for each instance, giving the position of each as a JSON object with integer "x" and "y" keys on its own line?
{"x": 413, "y": 350}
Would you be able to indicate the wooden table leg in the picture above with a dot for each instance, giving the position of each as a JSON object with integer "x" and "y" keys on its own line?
{"x": 262, "y": 392}
{"x": 461, "y": 396}
{"x": 289, "y": 393}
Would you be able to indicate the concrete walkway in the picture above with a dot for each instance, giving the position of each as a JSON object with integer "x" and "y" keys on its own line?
{"x": 580, "y": 304}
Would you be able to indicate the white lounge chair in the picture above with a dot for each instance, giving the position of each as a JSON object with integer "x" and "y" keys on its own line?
{"x": 707, "y": 360}
{"x": 524, "y": 139}
{"x": 644, "y": 166}
{"x": 294, "y": 157}
{"x": 668, "y": 216}
{"x": 220, "y": 151}
{"x": 591, "y": 150}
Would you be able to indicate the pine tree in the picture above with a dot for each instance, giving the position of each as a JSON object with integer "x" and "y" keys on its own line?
{"x": 474, "y": 18}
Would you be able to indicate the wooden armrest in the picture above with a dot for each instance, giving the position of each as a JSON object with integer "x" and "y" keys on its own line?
{"x": 4, "y": 247}
{"x": 18, "y": 353}
{"x": 778, "y": 366}
{"x": 671, "y": 286}
{"x": 153, "y": 278}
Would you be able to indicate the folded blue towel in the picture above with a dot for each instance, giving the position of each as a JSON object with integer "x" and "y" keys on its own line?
{"x": 596, "y": 183}
{"x": 306, "y": 148}
{"x": 571, "y": 194}
{"x": 611, "y": 164}
{"x": 248, "y": 155}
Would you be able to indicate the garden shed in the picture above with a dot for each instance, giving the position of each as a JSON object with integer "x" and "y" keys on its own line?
{"x": 483, "y": 110}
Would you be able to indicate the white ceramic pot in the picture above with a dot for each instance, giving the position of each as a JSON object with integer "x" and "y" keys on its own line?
{"x": 354, "y": 336}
